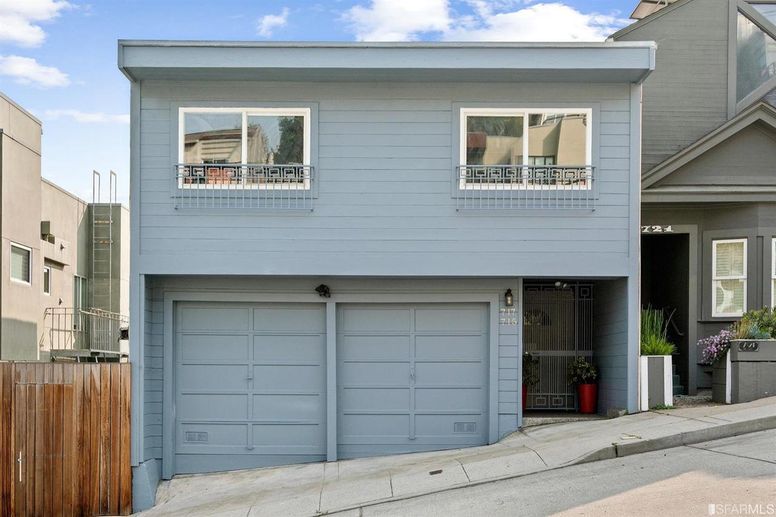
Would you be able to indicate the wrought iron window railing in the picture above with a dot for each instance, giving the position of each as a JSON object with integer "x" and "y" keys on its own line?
{"x": 487, "y": 187}
{"x": 273, "y": 186}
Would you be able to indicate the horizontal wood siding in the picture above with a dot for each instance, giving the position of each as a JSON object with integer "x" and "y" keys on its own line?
{"x": 686, "y": 96}
{"x": 610, "y": 343}
{"x": 385, "y": 157}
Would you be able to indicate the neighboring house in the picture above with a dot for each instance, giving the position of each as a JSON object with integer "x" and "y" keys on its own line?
{"x": 334, "y": 246}
{"x": 708, "y": 173}
{"x": 58, "y": 254}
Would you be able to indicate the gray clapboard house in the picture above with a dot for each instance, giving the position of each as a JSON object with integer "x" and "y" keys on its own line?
{"x": 336, "y": 247}
{"x": 708, "y": 166}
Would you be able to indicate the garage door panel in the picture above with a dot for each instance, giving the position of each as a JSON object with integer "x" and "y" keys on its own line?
{"x": 375, "y": 374}
{"x": 287, "y": 407}
{"x": 439, "y": 427}
{"x": 214, "y": 318}
{"x": 289, "y": 318}
{"x": 447, "y": 319}
{"x": 375, "y": 348}
{"x": 363, "y": 428}
{"x": 450, "y": 348}
{"x": 288, "y": 377}
{"x": 289, "y": 348}
{"x": 468, "y": 374}
{"x": 213, "y": 348}
{"x": 212, "y": 377}
{"x": 249, "y": 384}
{"x": 438, "y": 393}
{"x": 212, "y": 407}
{"x": 203, "y": 437}
{"x": 456, "y": 399}
{"x": 375, "y": 319}
{"x": 363, "y": 399}
{"x": 307, "y": 439}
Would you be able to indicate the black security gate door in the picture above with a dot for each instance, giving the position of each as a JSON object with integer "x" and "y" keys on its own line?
{"x": 558, "y": 327}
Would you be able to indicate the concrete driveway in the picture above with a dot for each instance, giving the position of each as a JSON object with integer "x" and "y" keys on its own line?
{"x": 344, "y": 486}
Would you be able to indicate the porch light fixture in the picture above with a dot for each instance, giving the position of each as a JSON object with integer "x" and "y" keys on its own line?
{"x": 509, "y": 299}
{"x": 323, "y": 291}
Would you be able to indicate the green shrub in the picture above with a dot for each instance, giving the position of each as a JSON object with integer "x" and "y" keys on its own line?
{"x": 654, "y": 332}
{"x": 580, "y": 371}
{"x": 756, "y": 324}
{"x": 530, "y": 370}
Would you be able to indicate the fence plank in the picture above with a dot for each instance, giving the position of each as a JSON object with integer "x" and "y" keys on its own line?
{"x": 71, "y": 423}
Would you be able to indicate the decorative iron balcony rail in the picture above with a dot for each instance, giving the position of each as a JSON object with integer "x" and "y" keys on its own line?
{"x": 493, "y": 187}
{"x": 279, "y": 187}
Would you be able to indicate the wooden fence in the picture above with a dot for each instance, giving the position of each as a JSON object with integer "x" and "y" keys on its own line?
{"x": 64, "y": 441}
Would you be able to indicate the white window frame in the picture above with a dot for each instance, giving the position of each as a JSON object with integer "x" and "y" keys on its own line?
{"x": 245, "y": 113}
{"x": 29, "y": 264}
{"x": 46, "y": 272}
{"x": 523, "y": 112}
{"x": 715, "y": 278}
{"x": 773, "y": 272}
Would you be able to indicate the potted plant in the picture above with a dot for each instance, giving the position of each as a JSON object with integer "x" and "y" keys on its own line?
{"x": 655, "y": 362}
{"x": 583, "y": 374}
{"x": 714, "y": 353}
{"x": 751, "y": 356}
{"x": 530, "y": 374}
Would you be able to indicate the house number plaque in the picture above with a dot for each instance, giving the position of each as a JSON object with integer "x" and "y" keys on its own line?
{"x": 508, "y": 316}
{"x": 749, "y": 346}
{"x": 657, "y": 228}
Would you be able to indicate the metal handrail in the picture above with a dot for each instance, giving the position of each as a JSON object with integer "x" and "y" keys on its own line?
{"x": 73, "y": 328}
{"x": 524, "y": 186}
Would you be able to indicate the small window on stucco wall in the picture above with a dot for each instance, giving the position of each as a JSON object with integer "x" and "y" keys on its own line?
{"x": 728, "y": 278}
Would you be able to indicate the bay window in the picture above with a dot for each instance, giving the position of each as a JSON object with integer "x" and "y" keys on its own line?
{"x": 728, "y": 278}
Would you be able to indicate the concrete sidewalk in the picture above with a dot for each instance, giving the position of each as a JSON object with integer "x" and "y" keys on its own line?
{"x": 321, "y": 488}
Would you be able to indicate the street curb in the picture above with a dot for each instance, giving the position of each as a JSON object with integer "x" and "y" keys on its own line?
{"x": 621, "y": 450}
{"x": 606, "y": 453}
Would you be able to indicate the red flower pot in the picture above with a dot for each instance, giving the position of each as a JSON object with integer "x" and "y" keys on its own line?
{"x": 587, "y": 394}
{"x": 525, "y": 395}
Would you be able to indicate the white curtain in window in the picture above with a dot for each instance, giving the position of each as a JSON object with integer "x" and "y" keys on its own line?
{"x": 729, "y": 278}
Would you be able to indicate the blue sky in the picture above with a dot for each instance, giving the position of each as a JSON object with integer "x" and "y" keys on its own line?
{"x": 58, "y": 57}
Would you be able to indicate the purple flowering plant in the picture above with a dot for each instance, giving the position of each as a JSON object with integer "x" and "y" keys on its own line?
{"x": 713, "y": 348}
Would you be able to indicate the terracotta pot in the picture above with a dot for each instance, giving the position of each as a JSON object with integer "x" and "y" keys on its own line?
{"x": 587, "y": 395}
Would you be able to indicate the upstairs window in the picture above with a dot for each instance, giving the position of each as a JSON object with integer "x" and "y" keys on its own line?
{"x": 246, "y": 148}
{"x": 728, "y": 278}
{"x": 755, "y": 52}
{"x": 46, "y": 280}
{"x": 21, "y": 257}
{"x": 524, "y": 149}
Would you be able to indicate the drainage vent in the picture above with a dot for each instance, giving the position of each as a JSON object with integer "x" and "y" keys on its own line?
{"x": 465, "y": 427}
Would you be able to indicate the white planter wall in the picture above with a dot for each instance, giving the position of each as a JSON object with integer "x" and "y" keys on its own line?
{"x": 656, "y": 381}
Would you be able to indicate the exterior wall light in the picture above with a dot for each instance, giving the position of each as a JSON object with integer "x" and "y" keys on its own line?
{"x": 509, "y": 299}
{"x": 323, "y": 291}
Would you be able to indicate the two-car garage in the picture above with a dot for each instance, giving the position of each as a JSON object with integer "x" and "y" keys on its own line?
{"x": 250, "y": 381}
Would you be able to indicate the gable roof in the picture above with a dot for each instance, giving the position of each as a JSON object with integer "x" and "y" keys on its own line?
{"x": 760, "y": 112}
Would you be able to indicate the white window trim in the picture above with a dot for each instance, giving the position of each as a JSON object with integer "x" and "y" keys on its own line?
{"x": 522, "y": 112}
{"x": 773, "y": 272}
{"x": 29, "y": 265}
{"x": 46, "y": 269}
{"x": 245, "y": 113}
{"x": 715, "y": 278}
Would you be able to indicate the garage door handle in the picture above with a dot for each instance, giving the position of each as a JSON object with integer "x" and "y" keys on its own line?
{"x": 412, "y": 373}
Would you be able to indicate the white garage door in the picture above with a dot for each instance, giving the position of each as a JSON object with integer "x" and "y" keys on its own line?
{"x": 249, "y": 385}
{"x": 411, "y": 378}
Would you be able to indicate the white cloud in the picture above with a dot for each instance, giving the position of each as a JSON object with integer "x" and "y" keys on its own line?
{"x": 25, "y": 70}
{"x": 540, "y": 22}
{"x": 19, "y": 19}
{"x": 398, "y": 20}
{"x": 85, "y": 117}
{"x": 270, "y": 22}
{"x": 489, "y": 20}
